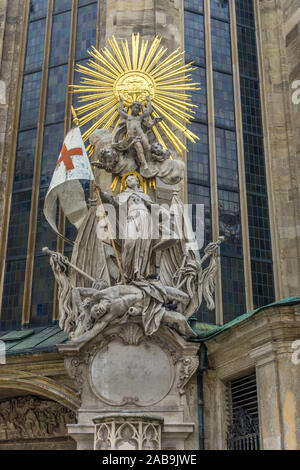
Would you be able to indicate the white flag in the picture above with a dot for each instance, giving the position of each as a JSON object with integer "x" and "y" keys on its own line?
{"x": 72, "y": 165}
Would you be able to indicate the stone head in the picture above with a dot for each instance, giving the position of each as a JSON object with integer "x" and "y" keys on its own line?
{"x": 100, "y": 309}
{"x": 132, "y": 182}
{"x": 157, "y": 148}
{"x": 108, "y": 158}
{"x": 136, "y": 108}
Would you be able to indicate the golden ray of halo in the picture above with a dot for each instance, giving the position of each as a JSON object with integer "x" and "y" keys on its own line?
{"x": 145, "y": 70}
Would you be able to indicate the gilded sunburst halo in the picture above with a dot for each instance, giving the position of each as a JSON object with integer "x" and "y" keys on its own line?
{"x": 146, "y": 71}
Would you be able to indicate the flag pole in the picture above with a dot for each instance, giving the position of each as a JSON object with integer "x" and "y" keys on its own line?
{"x": 76, "y": 122}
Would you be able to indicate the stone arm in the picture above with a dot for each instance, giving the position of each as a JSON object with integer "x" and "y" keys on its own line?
{"x": 121, "y": 111}
{"x": 157, "y": 119}
{"x": 105, "y": 197}
{"x": 148, "y": 109}
{"x": 86, "y": 291}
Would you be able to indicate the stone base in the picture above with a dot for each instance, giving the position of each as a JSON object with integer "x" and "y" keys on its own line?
{"x": 173, "y": 436}
{"x": 124, "y": 373}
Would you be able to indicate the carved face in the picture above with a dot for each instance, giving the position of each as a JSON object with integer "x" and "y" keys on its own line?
{"x": 136, "y": 108}
{"x": 108, "y": 159}
{"x": 156, "y": 148}
{"x": 132, "y": 182}
{"x": 100, "y": 309}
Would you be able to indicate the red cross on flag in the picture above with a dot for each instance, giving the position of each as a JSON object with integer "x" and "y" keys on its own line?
{"x": 72, "y": 165}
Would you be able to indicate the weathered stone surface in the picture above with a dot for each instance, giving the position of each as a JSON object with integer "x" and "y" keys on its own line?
{"x": 121, "y": 370}
{"x": 137, "y": 374}
{"x": 30, "y": 417}
{"x": 264, "y": 343}
{"x": 11, "y": 12}
{"x": 280, "y": 45}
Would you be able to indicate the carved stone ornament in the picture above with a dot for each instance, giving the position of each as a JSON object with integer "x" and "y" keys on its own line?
{"x": 130, "y": 432}
{"x": 131, "y": 368}
{"x": 77, "y": 366}
{"x": 131, "y": 334}
{"x": 189, "y": 365}
{"x": 30, "y": 417}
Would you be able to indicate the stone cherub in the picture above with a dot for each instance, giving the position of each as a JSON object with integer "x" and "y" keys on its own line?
{"x": 136, "y": 136}
{"x": 158, "y": 153}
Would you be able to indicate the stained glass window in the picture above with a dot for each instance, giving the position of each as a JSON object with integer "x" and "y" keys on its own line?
{"x": 226, "y": 153}
{"x": 13, "y": 289}
{"x": 86, "y": 30}
{"x": 35, "y": 46}
{"x": 198, "y": 165}
{"x": 38, "y": 9}
{"x": 219, "y": 9}
{"x": 233, "y": 288}
{"x": 221, "y": 47}
{"x": 19, "y": 224}
{"x": 199, "y": 96}
{"x": 60, "y": 39}
{"x": 42, "y": 292}
{"x": 30, "y": 100}
{"x": 56, "y": 94}
{"x": 230, "y": 222}
{"x": 258, "y": 213}
{"x": 24, "y": 159}
{"x": 53, "y": 141}
{"x": 43, "y": 282}
{"x": 263, "y": 284}
{"x": 45, "y": 235}
{"x": 245, "y": 12}
{"x": 194, "y": 38}
{"x": 247, "y": 52}
{"x": 195, "y": 5}
{"x": 62, "y": 5}
{"x": 224, "y": 102}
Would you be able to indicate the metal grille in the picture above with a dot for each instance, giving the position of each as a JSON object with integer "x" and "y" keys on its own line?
{"x": 243, "y": 422}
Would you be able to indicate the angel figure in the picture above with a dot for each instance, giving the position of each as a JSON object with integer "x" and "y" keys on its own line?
{"x": 136, "y": 136}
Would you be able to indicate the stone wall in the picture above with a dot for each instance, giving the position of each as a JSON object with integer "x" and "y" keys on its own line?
{"x": 147, "y": 17}
{"x": 11, "y": 27}
{"x": 264, "y": 343}
{"x": 279, "y": 39}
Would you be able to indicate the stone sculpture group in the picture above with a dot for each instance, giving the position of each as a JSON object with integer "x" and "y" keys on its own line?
{"x": 91, "y": 292}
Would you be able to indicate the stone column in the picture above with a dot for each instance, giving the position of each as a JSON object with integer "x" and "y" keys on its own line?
{"x": 268, "y": 396}
{"x": 278, "y": 381}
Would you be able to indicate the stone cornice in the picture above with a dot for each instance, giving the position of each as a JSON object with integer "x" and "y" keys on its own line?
{"x": 263, "y": 337}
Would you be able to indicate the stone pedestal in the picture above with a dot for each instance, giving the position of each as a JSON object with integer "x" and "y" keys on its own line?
{"x": 126, "y": 377}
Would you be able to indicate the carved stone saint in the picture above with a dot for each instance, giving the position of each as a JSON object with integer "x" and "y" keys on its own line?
{"x": 138, "y": 237}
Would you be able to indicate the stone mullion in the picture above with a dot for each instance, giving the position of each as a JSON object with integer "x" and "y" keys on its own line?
{"x": 37, "y": 172}
{"x": 67, "y": 127}
{"x": 241, "y": 158}
{"x": 212, "y": 153}
{"x": 279, "y": 294}
{"x": 13, "y": 148}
